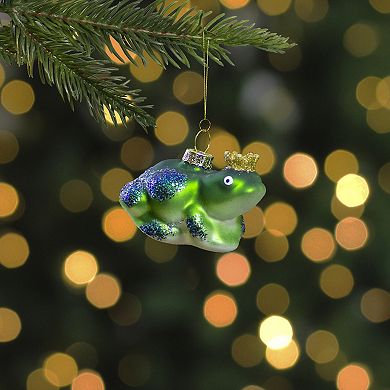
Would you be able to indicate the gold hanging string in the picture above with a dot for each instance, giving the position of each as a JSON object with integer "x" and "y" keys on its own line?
{"x": 205, "y": 124}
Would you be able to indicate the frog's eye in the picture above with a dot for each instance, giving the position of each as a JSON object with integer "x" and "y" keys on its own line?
{"x": 228, "y": 180}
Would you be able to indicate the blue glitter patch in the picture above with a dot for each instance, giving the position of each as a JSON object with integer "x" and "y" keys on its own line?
{"x": 165, "y": 183}
{"x": 243, "y": 227}
{"x": 131, "y": 193}
{"x": 196, "y": 227}
{"x": 157, "y": 230}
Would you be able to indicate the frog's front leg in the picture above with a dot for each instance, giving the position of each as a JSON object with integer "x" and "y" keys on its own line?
{"x": 211, "y": 234}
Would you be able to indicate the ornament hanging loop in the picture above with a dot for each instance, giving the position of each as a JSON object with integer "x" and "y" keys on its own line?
{"x": 204, "y": 124}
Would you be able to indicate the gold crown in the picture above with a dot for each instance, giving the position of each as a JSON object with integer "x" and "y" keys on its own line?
{"x": 239, "y": 162}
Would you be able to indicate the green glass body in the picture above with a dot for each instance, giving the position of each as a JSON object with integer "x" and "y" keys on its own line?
{"x": 179, "y": 203}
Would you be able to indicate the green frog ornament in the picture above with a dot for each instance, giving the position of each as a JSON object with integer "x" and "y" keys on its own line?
{"x": 185, "y": 202}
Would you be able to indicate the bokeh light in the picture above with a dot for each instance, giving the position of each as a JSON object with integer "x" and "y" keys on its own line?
{"x": 272, "y": 299}
{"x": 220, "y": 142}
{"x": 311, "y": 10}
{"x": 188, "y": 87}
{"x": 282, "y": 217}
{"x": 366, "y": 92}
{"x": 171, "y": 128}
{"x": 247, "y": 351}
{"x": 123, "y": 57}
{"x": 339, "y": 163}
{"x": 318, "y": 245}
{"x": 9, "y": 200}
{"x": 300, "y": 170}
{"x": 384, "y": 177}
{"x": 137, "y": 153}
{"x": 103, "y": 291}
{"x": 127, "y": 310}
{"x": 158, "y": 251}
{"x": 60, "y": 369}
{"x": 352, "y": 190}
{"x": 271, "y": 246}
{"x": 76, "y": 196}
{"x": 254, "y": 222}
{"x": 14, "y": 250}
{"x": 114, "y": 120}
{"x": 341, "y": 211}
{"x": 233, "y": 269}
{"x": 80, "y": 267}
{"x": 276, "y": 332}
{"x": 328, "y": 371}
{"x": 351, "y": 233}
{"x": 9, "y": 147}
{"x": 379, "y": 120}
{"x": 149, "y": 72}
{"x": 17, "y": 97}
{"x": 322, "y": 346}
{"x": 360, "y": 40}
{"x": 383, "y": 92}
{"x": 382, "y": 6}
{"x": 10, "y": 325}
{"x": 283, "y": 358}
{"x": 220, "y": 309}
{"x": 134, "y": 370}
{"x": 234, "y": 4}
{"x": 112, "y": 182}
{"x": 37, "y": 380}
{"x": 336, "y": 281}
{"x": 88, "y": 380}
{"x": 117, "y": 225}
{"x": 252, "y": 387}
{"x": 353, "y": 377}
{"x": 375, "y": 305}
{"x": 273, "y": 8}
{"x": 267, "y": 155}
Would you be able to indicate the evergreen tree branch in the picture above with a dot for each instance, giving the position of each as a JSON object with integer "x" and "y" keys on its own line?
{"x": 77, "y": 76}
{"x": 7, "y": 46}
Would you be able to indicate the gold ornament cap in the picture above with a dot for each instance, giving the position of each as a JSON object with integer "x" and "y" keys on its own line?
{"x": 198, "y": 158}
{"x": 239, "y": 162}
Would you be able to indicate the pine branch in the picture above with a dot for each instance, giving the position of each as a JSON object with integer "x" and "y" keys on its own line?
{"x": 7, "y": 46}
{"x": 62, "y": 36}
{"x": 78, "y": 76}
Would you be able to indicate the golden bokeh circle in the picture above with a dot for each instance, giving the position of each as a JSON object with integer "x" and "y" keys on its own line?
{"x": 103, "y": 291}
{"x": 382, "y": 6}
{"x": 233, "y": 269}
{"x": 88, "y": 380}
{"x": 360, "y": 39}
{"x": 171, "y": 128}
{"x": 271, "y": 246}
{"x": 375, "y": 305}
{"x": 37, "y": 380}
{"x": 220, "y": 309}
{"x": 341, "y": 211}
{"x": 336, "y": 281}
{"x": 80, "y": 267}
{"x": 300, "y": 170}
{"x": 284, "y": 358}
{"x": 9, "y": 200}
{"x": 272, "y": 299}
{"x": 322, "y": 346}
{"x": 351, "y": 233}
{"x": 339, "y": 163}
{"x": 276, "y": 332}
{"x": 384, "y": 177}
{"x": 112, "y": 182}
{"x": 60, "y": 369}
{"x": 148, "y": 72}
{"x": 10, "y": 325}
{"x": 353, "y": 377}
{"x": 14, "y": 250}
{"x": 282, "y": 217}
{"x": 17, "y": 97}
{"x": 117, "y": 225}
{"x": 274, "y": 8}
{"x": 267, "y": 155}
{"x": 311, "y": 10}
{"x": 188, "y": 87}
{"x": 366, "y": 92}
{"x": 318, "y": 245}
{"x": 352, "y": 190}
